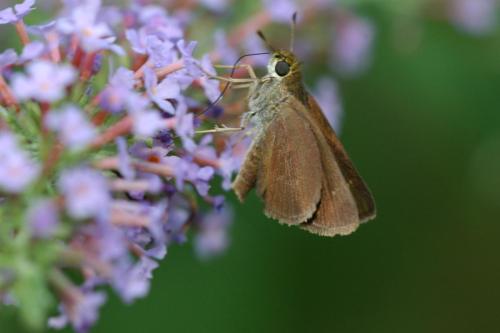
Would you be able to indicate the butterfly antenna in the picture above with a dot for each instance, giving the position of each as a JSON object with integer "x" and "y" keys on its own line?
{"x": 292, "y": 31}
{"x": 264, "y": 39}
{"x": 214, "y": 103}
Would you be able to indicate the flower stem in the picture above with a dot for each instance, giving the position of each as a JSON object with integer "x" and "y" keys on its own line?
{"x": 160, "y": 73}
{"x": 125, "y": 219}
{"x": 123, "y": 185}
{"x": 87, "y": 64}
{"x": 21, "y": 31}
{"x": 63, "y": 286}
{"x": 112, "y": 163}
{"x": 53, "y": 41}
{"x": 7, "y": 95}
{"x": 122, "y": 127}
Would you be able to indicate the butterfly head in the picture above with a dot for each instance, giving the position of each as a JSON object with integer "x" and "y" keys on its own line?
{"x": 284, "y": 67}
{"x": 282, "y": 64}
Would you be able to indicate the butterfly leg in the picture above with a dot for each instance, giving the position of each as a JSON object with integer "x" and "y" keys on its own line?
{"x": 220, "y": 129}
{"x": 248, "y": 67}
{"x": 241, "y": 86}
{"x": 228, "y": 79}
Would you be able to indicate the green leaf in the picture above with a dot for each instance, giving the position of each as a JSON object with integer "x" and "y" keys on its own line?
{"x": 32, "y": 292}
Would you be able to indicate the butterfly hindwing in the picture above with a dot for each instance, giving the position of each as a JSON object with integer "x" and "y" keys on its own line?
{"x": 359, "y": 189}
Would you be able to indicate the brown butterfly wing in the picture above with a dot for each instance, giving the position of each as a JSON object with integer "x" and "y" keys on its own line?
{"x": 294, "y": 165}
{"x": 337, "y": 213}
{"x": 285, "y": 164}
{"x": 279, "y": 164}
{"x": 290, "y": 173}
{"x": 360, "y": 191}
{"x": 247, "y": 176}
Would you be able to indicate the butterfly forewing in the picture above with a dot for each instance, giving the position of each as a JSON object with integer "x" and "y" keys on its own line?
{"x": 289, "y": 178}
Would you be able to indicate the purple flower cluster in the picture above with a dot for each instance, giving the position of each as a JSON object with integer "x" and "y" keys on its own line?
{"x": 352, "y": 44}
{"x": 474, "y": 16}
{"x": 102, "y": 176}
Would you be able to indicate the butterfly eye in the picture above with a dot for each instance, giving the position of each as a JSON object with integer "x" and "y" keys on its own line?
{"x": 282, "y": 68}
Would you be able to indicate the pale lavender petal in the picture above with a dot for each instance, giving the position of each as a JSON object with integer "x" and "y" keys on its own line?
{"x": 17, "y": 169}
{"x": 205, "y": 173}
{"x": 281, "y": 10}
{"x": 168, "y": 88}
{"x": 150, "y": 80}
{"x": 136, "y": 41}
{"x": 232, "y": 158}
{"x": 474, "y": 16}
{"x": 191, "y": 65}
{"x": 159, "y": 93}
{"x": 81, "y": 312}
{"x": 136, "y": 102}
{"x": 253, "y": 44}
{"x": 133, "y": 281}
{"x": 7, "y": 58}
{"x": 353, "y": 45}
{"x": 93, "y": 35}
{"x": 120, "y": 88}
{"x": 73, "y": 127}
{"x": 42, "y": 29}
{"x": 211, "y": 87}
{"x": 125, "y": 164}
{"x": 158, "y": 252}
{"x": 17, "y": 172}
{"x": 185, "y": 123}
{"x": 45, "y": 81}
{"x": 31, "y": 51}
{"x": 123, "y": 77}
{"x": 7, "y": 16}
{"x": 206, "y": 64}
{"x": 24, "y": 8}
{"x": 85, "y": 192}
{"x": 87, "y": 311}
{"x": 147, "y": 123}
{"x": 212, "y": 238}
{"x": 43, "y": 218}
{"x": 228, "y": 54}
{"x": 161, "y": 52}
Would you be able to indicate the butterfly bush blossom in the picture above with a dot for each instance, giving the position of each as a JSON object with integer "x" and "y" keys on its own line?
{"x": 101, "y": 168}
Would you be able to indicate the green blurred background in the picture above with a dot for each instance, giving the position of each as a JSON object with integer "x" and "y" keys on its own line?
{"x": 423, "y": 127}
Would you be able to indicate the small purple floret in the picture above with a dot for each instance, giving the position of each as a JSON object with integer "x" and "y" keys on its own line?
{"x": 86, "y": 193}
{"x": 17, "y": 169}
{"x": 43, "y": 218}
{"x": 74, "y": 130}
{"x": 44, "y": 82}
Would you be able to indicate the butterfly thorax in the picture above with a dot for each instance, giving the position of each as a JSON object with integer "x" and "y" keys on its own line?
{"x": 271, "y": 91}
{"x": 263, "y": 101}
